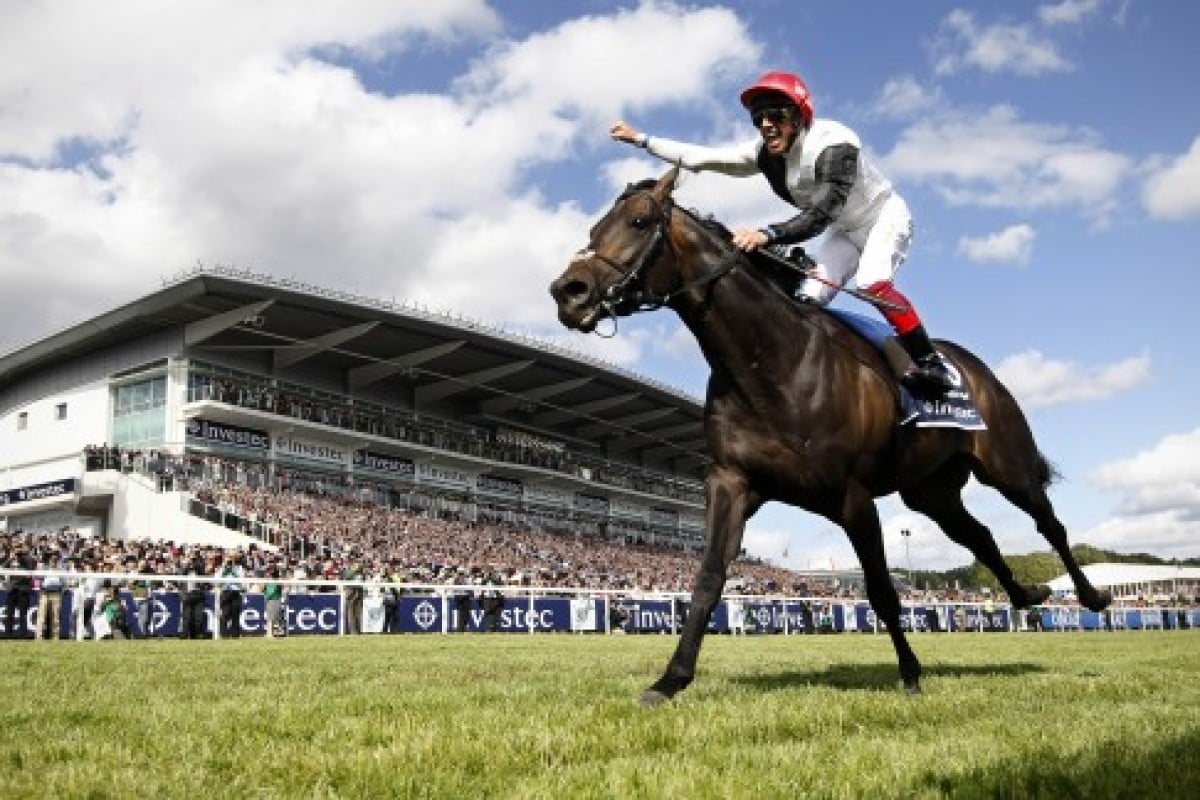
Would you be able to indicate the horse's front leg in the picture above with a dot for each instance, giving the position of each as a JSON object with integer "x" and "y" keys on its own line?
{"x": 861, "y": 522}
{"x": 729, "y": 502}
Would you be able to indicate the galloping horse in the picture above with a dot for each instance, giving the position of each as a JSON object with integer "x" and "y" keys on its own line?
{"x": 801, "y": 410}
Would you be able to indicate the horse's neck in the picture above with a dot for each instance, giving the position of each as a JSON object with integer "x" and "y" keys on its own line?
{"x": 749, "y": 331}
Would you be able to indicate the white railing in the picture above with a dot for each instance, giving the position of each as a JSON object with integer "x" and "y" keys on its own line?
{"x": 527, "y": 607}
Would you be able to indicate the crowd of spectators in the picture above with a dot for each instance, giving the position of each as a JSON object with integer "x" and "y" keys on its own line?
{"x": 394, "y": 545}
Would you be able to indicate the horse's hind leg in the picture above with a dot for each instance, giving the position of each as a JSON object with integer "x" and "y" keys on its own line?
{"x": 1032, "y": 499}
{"x": 861, "y": 522}
{"x": 939, "y": 497}
{"x": 1013, "y": 466}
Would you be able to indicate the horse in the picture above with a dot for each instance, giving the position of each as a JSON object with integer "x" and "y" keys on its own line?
{"x": 799, "y": 409}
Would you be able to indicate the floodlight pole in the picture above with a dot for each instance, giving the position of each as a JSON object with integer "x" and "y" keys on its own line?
{"x": 907, "y": 534}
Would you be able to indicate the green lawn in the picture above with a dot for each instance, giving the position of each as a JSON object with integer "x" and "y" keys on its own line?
{"x": 555, "y": 716}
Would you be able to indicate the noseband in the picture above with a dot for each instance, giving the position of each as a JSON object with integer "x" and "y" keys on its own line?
{"x": 623, "y": 297}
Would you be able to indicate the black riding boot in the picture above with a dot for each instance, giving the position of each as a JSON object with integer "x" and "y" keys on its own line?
{"x": 928, "y": 370}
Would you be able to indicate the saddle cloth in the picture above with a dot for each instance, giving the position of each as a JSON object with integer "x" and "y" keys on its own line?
{"x": 926, "y": 409}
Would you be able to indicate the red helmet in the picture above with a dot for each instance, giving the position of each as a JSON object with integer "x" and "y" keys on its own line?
{"x": 787, "y": 84}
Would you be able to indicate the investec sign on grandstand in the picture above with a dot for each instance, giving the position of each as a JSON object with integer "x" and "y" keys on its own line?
{"x": 41, "y": 491}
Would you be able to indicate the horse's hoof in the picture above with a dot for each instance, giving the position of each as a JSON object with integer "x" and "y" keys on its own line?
{"x": 1039, "y": 594}
{"x": 652, "y": 698}
{"x": 1099, "y": 601}
{"x": 912, "y": 687}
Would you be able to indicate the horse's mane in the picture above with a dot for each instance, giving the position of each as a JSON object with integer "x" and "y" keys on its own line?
{"x": 783, "y": 279}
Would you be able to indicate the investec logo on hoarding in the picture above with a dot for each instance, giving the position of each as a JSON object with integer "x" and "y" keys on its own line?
{"x": 38, "y": 491}
{"x": 311, "y": 450}
{"x": 378, "y": 462}
{"x": 224, "y": 433}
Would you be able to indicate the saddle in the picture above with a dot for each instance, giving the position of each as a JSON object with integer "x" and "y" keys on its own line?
{"x": 787, "y": 266}
{"x": 928, "y": 408}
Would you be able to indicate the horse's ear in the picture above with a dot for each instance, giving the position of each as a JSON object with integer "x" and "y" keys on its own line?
{"x": 667, "y": 183}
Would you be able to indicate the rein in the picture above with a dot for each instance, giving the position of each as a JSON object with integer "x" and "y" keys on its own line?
{"x": 622, "y": 293}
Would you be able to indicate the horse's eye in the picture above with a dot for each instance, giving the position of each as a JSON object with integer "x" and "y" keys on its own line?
{"x": 641, "y": 223}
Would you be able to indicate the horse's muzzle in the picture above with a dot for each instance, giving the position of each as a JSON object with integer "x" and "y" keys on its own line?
{"x": 577, "y": 305}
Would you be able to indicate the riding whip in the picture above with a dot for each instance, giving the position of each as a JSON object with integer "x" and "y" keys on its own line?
{"x": 787, "y": 263}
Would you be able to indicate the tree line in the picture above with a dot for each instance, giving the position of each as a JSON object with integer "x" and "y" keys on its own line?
{"x": 1040, "y": 567}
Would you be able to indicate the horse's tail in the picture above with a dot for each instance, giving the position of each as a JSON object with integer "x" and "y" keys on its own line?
{"x": 1047, "y": 473}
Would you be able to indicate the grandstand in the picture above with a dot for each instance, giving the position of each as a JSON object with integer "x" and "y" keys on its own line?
{"x": 286, "y": 384}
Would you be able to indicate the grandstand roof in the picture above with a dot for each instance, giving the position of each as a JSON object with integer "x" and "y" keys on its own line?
{"x": 1106, "y": 575}
{"x": 432, "y": 362}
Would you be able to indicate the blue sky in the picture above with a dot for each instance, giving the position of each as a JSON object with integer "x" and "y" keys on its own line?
{"x": 454, "y": 154}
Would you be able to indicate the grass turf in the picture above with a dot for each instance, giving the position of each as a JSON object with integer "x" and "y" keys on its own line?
{"x": 1088, "y": 715}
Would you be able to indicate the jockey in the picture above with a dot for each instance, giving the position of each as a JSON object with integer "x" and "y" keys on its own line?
{"x": 817, "y": 166}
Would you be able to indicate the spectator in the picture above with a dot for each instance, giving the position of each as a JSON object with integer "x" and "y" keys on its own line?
{"x": 273, "y": 597}
{"x": 193, "y": 622}
{"x": 618, "y": 615}
{"x": 231, "y": 587}
{"x": 50, "y": 603}
{"x": 113, "y": 610}
{"x": 142, "y": 603}
{"x": 87, "y": 586}
{"x": 493, "y": 602}
{"x": 20, "y": 592}
{"x": 353, "y": 598}
{"x": 461, "y": 601}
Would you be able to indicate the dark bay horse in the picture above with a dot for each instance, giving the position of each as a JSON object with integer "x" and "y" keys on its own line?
{"x": 801, "y": 410}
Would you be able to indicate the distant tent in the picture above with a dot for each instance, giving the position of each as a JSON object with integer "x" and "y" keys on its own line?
{"x": 1131, "y": 581}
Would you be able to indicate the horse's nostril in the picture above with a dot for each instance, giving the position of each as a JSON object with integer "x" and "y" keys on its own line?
{"x": 575, "y": 289}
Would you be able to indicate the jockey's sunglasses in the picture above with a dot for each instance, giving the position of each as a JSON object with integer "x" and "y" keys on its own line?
{"x": 776, "y": 115}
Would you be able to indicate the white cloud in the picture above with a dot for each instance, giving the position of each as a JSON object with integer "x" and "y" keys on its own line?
{"x": 826, "y": 549}
{"x": 906, "y": 98}
{"x": 1158, "y": 507}
{"x": 596, "y": 66}
{"x": 1067, "y": 12}
{"x": 1039, "y": 382}
{"x": 1166, "y": 534}
{"x": 231, "y": 134}
{"x": 1013, "y": 245}
{"x": 1163, "y": 478}
{"x": 149, "y": 54}
{"x": 1000, "y": 47}
{"x": 1173, "y": 190}
{"x": 995, "y": 159}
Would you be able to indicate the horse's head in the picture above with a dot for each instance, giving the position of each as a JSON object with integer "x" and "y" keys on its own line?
{"x": 615, "y": 274}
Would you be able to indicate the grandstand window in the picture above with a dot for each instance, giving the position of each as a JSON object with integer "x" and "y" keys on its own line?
{"x": 139, "y": 412}
{"x": 23, "y": 420}
{"x": 60, "y": 411}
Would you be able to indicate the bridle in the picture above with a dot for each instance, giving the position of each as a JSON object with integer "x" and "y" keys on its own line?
{"x": 625, "y": 297}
